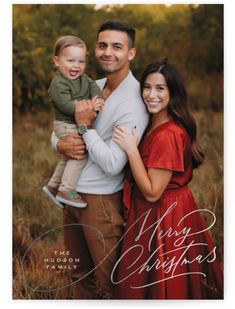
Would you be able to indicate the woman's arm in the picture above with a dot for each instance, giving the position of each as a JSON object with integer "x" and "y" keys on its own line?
{"x": 152, "y": 182}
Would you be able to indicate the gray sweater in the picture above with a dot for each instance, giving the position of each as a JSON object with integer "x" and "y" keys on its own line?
{"x": 103, "y": 173}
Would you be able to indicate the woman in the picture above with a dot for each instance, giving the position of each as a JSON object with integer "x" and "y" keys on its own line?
{"x": 167, "y": 252}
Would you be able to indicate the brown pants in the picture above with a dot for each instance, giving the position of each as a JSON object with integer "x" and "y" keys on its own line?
{"x": 91, "y": 234}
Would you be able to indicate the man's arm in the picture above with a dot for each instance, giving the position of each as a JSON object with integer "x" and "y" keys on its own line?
{"x": 108, "y": 156}
{"x": 71, "y": 146}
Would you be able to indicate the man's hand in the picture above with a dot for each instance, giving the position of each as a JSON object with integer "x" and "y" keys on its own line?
{"x": 84, "y": 112}
{"x": 72, "y": 146}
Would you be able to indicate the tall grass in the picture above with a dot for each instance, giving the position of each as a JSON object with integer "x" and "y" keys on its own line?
{"x": 207, "y": 183}
{"x": 34, "y": 214}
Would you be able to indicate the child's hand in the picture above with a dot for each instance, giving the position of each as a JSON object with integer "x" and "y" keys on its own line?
{"x": 125, "y": 139}
{"x": 98, "y": 103}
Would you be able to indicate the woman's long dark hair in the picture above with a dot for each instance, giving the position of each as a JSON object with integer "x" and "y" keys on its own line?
{"x": 178, "y": 106}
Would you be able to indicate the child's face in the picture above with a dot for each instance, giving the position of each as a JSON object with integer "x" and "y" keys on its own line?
{"x": 71, "y": 62}
{"x": 156, "y": 94}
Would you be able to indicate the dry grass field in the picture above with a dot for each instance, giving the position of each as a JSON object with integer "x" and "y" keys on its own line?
{"x": 36, "y": 221}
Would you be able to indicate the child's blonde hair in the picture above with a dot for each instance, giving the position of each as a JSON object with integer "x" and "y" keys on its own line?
{"x": 66, "y": 41}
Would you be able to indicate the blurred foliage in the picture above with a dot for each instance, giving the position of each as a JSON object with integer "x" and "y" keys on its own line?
{"x": 191, "y": 36}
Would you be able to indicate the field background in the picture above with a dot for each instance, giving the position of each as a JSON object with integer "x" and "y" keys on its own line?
{"x": 191, "y": 36}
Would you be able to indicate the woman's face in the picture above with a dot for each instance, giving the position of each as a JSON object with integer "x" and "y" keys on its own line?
{"x": 156, "y": 94}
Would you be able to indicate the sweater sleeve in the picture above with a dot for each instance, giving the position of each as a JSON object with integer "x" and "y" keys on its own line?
{"x": 60, "y": 93}
{"x": 94, "y": 88}
{"x": 107, "y": 154}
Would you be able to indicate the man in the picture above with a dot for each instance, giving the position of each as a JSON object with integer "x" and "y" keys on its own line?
{"x": 92, "y": 233}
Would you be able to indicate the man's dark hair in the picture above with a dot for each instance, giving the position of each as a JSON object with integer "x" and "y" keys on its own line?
{"x": 119, "y": 26}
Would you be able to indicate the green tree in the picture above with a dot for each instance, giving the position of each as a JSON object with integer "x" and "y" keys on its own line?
{"x": 191, "y": 36}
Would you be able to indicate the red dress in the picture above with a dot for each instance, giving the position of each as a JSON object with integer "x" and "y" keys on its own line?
{"x": 167, "y": 252}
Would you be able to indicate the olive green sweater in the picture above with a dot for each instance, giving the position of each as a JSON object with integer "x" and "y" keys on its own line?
{"x": 64, "y": 91}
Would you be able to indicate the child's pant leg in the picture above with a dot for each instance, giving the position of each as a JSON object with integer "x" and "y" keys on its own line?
{"x": 55, "y": 180}
{"x": 71, "y": 174}
{"x": 71, "y": 168}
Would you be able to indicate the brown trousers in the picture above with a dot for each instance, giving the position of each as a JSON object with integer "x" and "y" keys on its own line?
{"x": 91, "y": 234}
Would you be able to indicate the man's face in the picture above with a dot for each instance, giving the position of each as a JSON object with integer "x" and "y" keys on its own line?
{"x": 113, "y": 52}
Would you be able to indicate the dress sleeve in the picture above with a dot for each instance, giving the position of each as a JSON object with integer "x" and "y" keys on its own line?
{"x": 167, "y": 152}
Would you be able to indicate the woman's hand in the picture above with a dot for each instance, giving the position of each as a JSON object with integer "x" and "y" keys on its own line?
{"x": 125, "y": 139}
